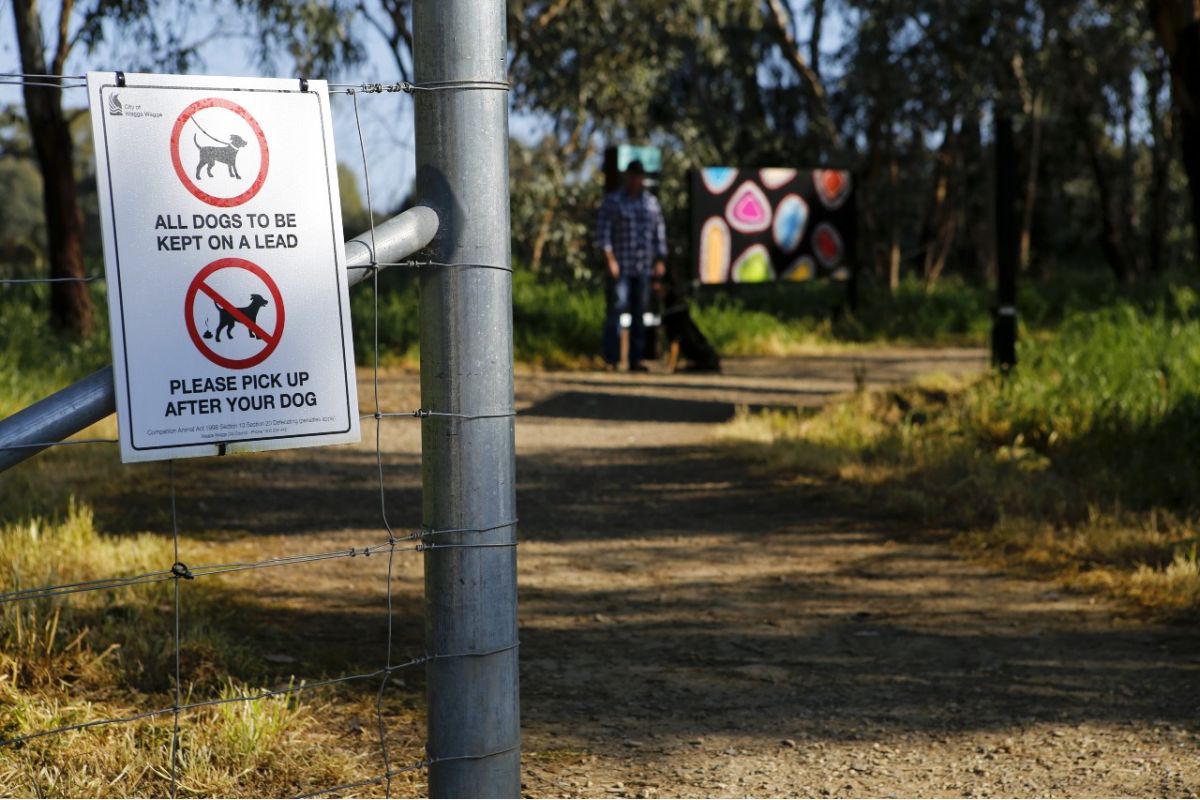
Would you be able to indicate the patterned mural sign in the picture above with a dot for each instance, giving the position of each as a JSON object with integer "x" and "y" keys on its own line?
{"x": 760, "y": 225}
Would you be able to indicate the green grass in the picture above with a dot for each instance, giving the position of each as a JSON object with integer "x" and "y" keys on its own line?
{"x": 1079, "y": 464}
{"x": 557, "y": 324}
{"x": 35, "y": 361}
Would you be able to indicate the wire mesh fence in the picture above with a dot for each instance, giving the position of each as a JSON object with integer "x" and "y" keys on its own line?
{"x": 392, "y": 540}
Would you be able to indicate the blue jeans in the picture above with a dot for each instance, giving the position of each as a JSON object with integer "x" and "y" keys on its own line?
{"x": 628, "y": 294}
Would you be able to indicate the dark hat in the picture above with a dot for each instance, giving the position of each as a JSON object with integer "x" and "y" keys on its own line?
{"x": 635, "y": 168}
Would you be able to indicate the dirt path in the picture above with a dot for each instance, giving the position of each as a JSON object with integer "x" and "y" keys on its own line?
{"x": 691, "y": 626}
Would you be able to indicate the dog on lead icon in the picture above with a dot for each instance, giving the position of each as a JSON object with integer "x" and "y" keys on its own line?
{"x": 223, "y": 152}
{"x": 227, "y": 320}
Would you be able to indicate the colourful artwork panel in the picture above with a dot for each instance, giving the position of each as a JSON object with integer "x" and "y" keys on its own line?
{"x": 777, "y": 223}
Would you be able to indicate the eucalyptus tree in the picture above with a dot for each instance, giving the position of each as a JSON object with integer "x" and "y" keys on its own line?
{"x": 1177, "y": 24}
{"x": 311, "y": 36}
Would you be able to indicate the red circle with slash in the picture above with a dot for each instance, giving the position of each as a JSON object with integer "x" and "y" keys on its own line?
{"x": 200, "y": 284}
{"x": 182, "y": 174}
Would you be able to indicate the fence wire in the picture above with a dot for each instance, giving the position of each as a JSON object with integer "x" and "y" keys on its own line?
{"x": 419, "y": 540}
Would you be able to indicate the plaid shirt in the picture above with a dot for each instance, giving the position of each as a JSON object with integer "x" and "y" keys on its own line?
{"x": 634, "y": 230}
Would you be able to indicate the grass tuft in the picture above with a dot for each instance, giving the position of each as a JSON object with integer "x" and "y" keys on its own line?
{"x": 114, "y": 647}
{"x": 1080, "y": 464}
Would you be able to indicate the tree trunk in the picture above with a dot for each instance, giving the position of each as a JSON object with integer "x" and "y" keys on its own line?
{"x": 1025, "y": 248}
{"x": 977, "y": 199}
{"x": 539, "y": 243}
{"x": 939, "y": 249}
{"x": 70, "y": 303}
{"x": 1159, "y": 171}
{"x": 940, "y": 224}
{"x": 885, "y": 231}
{"x": 1128, "y": 189}
{"x": 814, "y": 42}
{"x": 778, "y": 16}
{"x": 894, "y": 224}
{"x": 869, "y": 194}
{"x": 1110, "y": 229}
{"x": 1177, "y": 23}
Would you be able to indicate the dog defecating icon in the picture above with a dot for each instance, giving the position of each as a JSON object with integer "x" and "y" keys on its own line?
{"x": 226, "y": 154}
{"x": 228, "y": 320}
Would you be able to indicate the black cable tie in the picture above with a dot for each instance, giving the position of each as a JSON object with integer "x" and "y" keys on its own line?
{"x": 304, "y": 84}
{"x": 422, "y": 412}
{"x": 120, "y": 78}
{"x": 180, "y": 570}
{"x": 221, "y": 449}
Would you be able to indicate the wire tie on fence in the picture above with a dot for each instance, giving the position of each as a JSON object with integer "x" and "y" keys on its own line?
{"x": 180, "y": 570}
{"x": 470, "y": 653}
{"x": 120, "y": 78}
{"x": 431, "y": 759}
{"x": 460, "y": 85}
{"x": 429, "y": 532}
{"x": 304, "y": 84}
{"x": 418, "y": 264}
{"x": 379, "y": 88}
{"x": 423, "y": 546}
{"x": 426, "y": 412}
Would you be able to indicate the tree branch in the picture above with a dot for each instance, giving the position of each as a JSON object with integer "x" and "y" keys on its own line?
{"x": 63, "y": 48}
{"x": 398, "y": 34}
{"x": 553, "y": 11}
{"x": 791, "y": 51}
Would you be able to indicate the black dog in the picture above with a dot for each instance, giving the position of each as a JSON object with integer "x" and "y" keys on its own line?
{"x": 684, "y": 335}
{"x": 226, "y": 154}
{"x": 228, "y": 320}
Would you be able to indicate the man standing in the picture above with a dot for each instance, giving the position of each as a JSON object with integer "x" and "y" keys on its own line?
{"x": 631, "y": 232}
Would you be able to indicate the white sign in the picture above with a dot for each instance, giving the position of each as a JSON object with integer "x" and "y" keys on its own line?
{"x": 226, "y": 271}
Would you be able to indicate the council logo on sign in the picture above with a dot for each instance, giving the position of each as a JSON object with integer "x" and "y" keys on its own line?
{"x": 219, "y": 152}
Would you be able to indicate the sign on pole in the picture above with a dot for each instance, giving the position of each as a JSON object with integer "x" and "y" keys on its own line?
{"x": 226, "y": 272}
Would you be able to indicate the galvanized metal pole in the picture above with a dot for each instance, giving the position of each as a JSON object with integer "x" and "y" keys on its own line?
{"x": 466, "y": 368}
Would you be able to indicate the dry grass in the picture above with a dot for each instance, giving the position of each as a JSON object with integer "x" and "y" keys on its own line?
{"x": 939, "y": 455}
{"x": 96, "y": 655}
{"x": 269, "y": 748}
